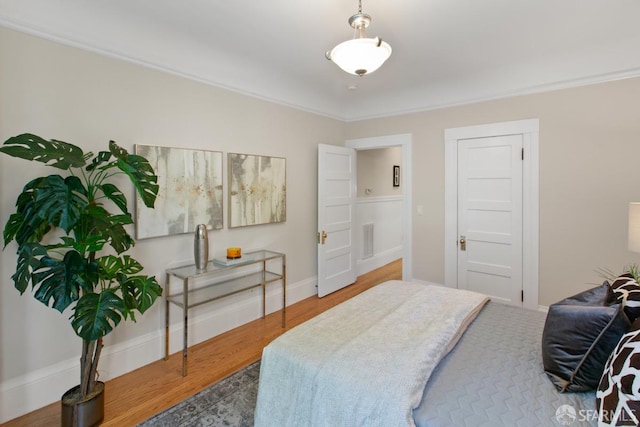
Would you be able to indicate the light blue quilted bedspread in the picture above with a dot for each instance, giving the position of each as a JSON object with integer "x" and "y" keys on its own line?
{"x": 364, "y": 362}
{"x": 494, "y": 377}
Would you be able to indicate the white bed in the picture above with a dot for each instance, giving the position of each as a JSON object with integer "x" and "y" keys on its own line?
{"x": 382, "y": 358}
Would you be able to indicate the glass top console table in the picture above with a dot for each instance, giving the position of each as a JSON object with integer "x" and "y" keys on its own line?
{"x": 222, "y": 279}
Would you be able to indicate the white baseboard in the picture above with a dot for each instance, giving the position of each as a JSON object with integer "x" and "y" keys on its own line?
{"x": 36, "y": 389}
{"x": 378, "y": 260}
{"x": 42, "y": 387}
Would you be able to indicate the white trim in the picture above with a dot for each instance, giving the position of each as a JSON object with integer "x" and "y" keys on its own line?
{"x": 378, "y": 199}
{"x": 26, "y": 393}
{"x": 405, "y": 142}
{"x": 504, "y": 94}
{"x": 184, "y": 73}
{"x": 450, "y": 212}
{"x": 378, "y": 260}
{"x": 330, "y": 112}
{"x": 530, "y": 226}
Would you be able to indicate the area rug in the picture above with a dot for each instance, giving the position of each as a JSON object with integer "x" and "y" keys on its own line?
{"x": 229, "y": 402}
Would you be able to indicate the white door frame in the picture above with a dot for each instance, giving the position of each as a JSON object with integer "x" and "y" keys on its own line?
{"x": 529, "y": 129}
{"x": 403, "y": 141}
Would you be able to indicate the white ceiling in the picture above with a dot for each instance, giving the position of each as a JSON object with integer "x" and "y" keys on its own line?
{"x": 445, "y": 52}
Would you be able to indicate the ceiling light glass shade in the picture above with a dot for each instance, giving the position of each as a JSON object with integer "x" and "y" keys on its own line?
{"x": 360, "y": 56}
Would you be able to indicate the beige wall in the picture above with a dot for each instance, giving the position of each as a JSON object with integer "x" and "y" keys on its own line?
{"x": 589, "y": 151}
{"x": 70, "y": 94}
{"x": 375, "y": 171}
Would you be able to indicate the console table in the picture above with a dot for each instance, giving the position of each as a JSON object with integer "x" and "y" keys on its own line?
{"x": 219, "y": 281}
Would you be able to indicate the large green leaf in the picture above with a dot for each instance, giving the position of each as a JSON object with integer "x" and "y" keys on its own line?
{"x": 100, "y": 158}
{"x": 29, "y": 256}
{"x": 61, "y": 201}
{"x": 12, "y": 227}
{"x": 130, "y": 265}
{"x": 58, "y": 283}
{"x": 45, "y": 202}
{"x": 96, "y": 314}
{"x": 89, "y": 244}
{"x": 59, "y": 154}
{"x": 139, "y": 171}
{"x": 111, "y": 265}
{"x": 96, "y": 220}
{"x": 144, "y": 290}
{"x": 27, "y": 225}
{"x": 120, "y": 241}
{"x": 93, "y": 221}
{"x": 114, "y": 194}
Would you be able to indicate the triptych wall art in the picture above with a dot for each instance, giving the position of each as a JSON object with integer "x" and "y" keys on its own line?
{"x": 191, "y": 191}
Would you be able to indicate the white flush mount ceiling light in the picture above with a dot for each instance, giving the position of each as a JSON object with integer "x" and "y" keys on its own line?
{"x": 360, "y": 55}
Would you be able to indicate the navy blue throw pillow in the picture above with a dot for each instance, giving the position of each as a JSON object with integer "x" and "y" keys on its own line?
{"x": 579, "y": 334}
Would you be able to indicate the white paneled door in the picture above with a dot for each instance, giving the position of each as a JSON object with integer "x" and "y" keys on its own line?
{"x": 336, "y": 216}
{"x": 490, "y": 216}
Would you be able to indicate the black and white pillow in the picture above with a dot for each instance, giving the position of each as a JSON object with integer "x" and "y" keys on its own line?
{"x": 627, "y": 292}
{"x": 618, "y": 394}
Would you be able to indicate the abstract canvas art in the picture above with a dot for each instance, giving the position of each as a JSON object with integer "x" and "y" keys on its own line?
{"x": 190, "y": 191}
{"x": 257, "y": 190}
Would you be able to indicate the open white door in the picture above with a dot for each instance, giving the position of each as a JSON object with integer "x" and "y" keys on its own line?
{"x": 336, "y": 204}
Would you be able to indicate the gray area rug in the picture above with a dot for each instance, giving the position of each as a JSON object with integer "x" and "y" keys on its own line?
{"x": 229, "y": 402}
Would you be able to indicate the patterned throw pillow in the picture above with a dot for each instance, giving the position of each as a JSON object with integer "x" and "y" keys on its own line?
{"x": 618, "y": 395}
{"x": 627, "y": 291}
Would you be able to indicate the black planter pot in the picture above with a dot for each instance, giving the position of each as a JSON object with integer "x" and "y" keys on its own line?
{"x": 86, "y": 413}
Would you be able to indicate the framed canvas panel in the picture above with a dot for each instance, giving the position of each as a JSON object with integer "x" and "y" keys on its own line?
{"x": 257, "y": 190}
{"x": 190, "y": 191}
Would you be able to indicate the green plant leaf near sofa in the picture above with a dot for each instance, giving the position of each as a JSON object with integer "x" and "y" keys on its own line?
{"x": 71, "y": 238}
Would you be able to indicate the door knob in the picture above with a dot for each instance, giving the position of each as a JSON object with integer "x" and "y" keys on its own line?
{"x": 322, "y": 237}
{"x": 463, "y": 243}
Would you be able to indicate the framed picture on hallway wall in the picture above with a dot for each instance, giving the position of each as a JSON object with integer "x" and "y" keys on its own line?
{"x": 257, "y": 190}
{"x": 396, "y": 176}
{"x": 190, "y": 191}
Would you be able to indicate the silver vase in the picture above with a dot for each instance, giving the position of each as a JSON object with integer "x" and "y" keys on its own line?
{"x": 201, "y": 247}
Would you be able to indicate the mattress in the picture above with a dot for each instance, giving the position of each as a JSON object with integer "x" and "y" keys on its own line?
{"x": 494, "y": 376}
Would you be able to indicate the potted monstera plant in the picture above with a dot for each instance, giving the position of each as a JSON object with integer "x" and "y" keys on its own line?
{"x": 70, "y": 250}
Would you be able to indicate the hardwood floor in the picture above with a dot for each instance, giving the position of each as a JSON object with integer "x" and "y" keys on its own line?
{"x": 138, "y": 395}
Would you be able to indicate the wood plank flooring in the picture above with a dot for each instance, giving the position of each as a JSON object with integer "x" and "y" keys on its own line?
{"x": 138, "y": 395}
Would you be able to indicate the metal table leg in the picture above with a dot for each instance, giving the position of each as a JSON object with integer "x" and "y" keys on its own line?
{"x": 185, "y": 311}
{"x": 284, "y": 289}
{"x": 264, "y": 289}
{"x": 166, "y": 317}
